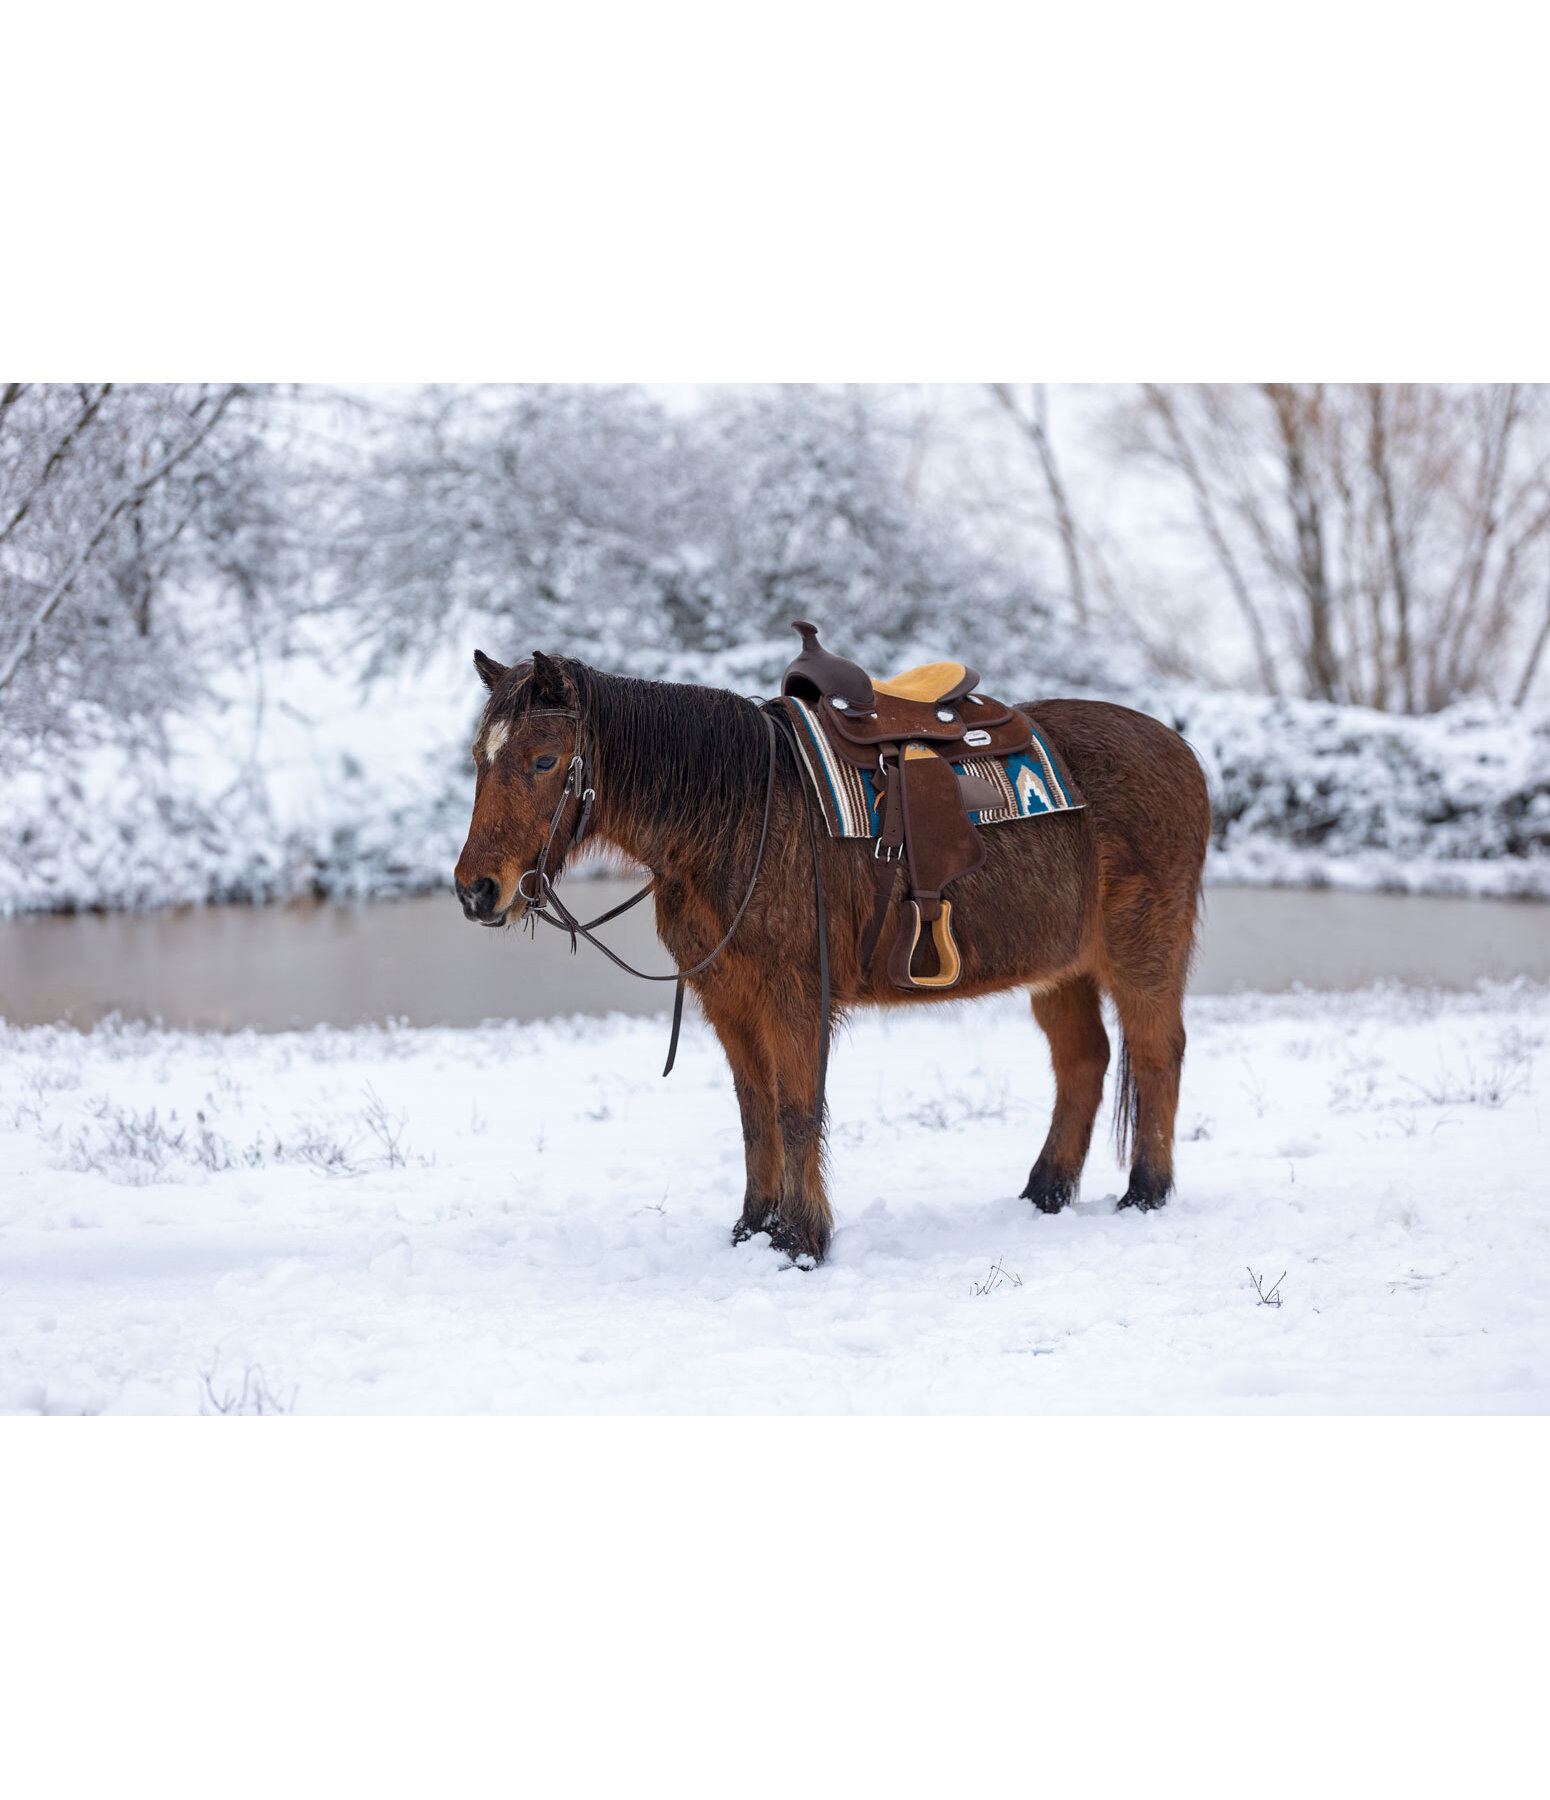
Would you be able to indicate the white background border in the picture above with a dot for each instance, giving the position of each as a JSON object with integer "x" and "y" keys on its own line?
{"x": 696, "y": 193}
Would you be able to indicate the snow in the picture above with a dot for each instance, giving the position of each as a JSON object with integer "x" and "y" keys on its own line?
{"x": 528, "y": 1219}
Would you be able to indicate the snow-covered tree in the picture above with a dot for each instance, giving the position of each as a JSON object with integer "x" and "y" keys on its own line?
{"x": 598, "y": 520}
{"x": 143, "y": 536}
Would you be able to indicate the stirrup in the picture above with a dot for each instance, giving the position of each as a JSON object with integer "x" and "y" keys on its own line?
{"x": 949, "y": 965}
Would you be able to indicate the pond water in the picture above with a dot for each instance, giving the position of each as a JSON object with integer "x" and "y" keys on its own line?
{"x": 276, "y": 967}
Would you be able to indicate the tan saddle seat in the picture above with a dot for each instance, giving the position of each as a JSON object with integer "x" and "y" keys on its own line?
{"x": 932, "y": 684}
{"x": 907, "y": 733}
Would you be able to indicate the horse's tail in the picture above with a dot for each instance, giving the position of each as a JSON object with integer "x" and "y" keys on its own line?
{"x": 1127, "y": 1104}
{"x": 1127, "y": 1095}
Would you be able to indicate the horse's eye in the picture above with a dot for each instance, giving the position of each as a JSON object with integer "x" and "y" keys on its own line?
{"x": 545, "y": 762}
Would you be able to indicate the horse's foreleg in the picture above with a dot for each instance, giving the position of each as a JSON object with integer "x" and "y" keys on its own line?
{"x": 1079, "y": 1050}
{"x": 773, "y": 1050}
{"x": 1154, "y": 1059}
{"x": 758, "y": 1100}
{"x": 763, "y": 1154}
{"x": 805, "y": 1223}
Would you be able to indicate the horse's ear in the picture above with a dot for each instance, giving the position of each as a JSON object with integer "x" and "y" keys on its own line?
{"x": 549, "y": 682}
{"x": 490, "y": 671}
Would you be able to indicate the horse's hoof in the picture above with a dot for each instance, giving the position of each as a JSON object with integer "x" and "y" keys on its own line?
{"x": 1144, "y": 1197}
{"x": 1050, "y": 1193}
{"x": 798, "y": 1245}
{"x": 746, "y": 1228}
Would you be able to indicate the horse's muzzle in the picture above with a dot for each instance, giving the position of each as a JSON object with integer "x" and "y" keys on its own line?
{"x": 481, "y": 901}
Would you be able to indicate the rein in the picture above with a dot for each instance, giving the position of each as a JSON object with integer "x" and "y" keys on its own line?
{"x": 544, "y": 903}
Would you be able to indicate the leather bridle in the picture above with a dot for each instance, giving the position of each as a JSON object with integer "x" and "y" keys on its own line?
{"x": 578, "y": 787}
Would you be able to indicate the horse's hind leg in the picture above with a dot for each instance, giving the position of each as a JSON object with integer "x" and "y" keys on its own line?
{"x": 1079, "y": 1049}
{"x": 1151, "y": 1062}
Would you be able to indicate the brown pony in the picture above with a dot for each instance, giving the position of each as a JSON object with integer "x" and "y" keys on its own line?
{"x": 1071, "y": 905}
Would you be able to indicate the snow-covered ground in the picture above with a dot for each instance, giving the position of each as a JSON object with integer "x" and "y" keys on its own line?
{"x": 529, "y": 1219}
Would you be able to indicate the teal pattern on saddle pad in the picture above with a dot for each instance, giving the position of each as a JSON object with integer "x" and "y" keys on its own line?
{"x": 1030, "y": 782}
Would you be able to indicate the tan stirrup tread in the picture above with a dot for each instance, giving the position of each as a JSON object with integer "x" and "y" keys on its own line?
{"x": 949, "y": 965}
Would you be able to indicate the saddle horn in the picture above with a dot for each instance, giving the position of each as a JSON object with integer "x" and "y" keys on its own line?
{"x": 814, "y": 672}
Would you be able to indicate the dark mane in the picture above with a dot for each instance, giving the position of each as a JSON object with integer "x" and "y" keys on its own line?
{"x": 692, "y": 761}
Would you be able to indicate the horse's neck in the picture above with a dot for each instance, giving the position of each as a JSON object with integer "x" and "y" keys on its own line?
{"x": 662, "y": 809}
{"x": 630, "y": 811}
{"x": 654, "y": 845}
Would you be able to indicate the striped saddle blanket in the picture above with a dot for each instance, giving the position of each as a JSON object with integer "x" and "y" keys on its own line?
{"x": 1024, "y": 785}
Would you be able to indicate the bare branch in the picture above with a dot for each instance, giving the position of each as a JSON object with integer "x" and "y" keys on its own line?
{"x": 1379, "y": 453}
{"x": 9, "y": 395}
{"x": 1034, "y": 427}
{"x": 1530, "y": 668}
{"x": 1185, "y": 461}
{"x": 91, "y": 407}
{"x": 1460, "y": 612}
{"x": 1292, "y": 419}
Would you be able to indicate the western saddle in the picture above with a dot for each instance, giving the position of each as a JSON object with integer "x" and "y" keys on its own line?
{"x": 905, "y": 733}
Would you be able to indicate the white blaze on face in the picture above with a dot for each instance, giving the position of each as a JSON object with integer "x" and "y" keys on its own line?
{"x": 494, "y": 738}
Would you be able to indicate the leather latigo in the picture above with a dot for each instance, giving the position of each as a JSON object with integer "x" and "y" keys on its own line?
{"x": 856, "y": 735}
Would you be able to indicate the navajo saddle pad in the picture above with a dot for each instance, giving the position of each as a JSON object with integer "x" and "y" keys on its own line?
{"x": 919, "y": 764}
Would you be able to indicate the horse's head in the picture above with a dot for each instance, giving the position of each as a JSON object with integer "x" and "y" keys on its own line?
{"x": 522, "y": 757}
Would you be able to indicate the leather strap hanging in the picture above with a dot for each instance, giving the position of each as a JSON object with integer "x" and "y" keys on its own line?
{"x": 823, "y": 928}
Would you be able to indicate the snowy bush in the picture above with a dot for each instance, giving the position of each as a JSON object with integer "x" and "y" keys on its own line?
{"x": 1305, "y": 792}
